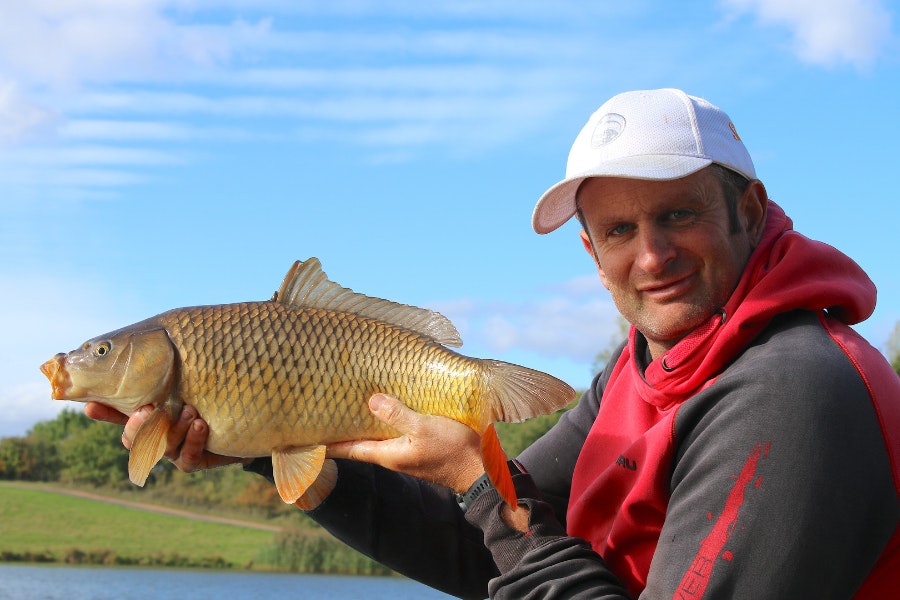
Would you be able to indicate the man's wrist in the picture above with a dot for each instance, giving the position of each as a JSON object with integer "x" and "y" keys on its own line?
{"x": 480, "y": 486}
{"x": 483, "y": 484}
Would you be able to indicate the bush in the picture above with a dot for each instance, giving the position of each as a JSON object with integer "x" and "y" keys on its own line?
{"x": 302, "y": 552}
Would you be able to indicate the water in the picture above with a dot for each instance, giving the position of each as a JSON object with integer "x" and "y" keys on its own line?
{"x": 30, "y": 582}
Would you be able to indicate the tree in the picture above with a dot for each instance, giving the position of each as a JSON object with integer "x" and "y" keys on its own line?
{"x": 893, "y": 348}
{"x": 28, "y": 459}
{"x": 10, "y": 457}
{"x": 515, "y": 437}
{"x": 95, "y": 455}
{"x": 67, "y": 423}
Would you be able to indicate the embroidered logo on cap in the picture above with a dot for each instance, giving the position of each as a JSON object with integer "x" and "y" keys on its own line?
{"x": 609, "y": 127}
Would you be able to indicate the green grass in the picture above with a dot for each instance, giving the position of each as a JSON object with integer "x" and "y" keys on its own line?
{"x": 33, "y": 520}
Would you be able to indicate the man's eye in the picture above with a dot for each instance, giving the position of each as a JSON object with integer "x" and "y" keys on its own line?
{"x": 618, "y": 230}
{"x": 680, "y": 215}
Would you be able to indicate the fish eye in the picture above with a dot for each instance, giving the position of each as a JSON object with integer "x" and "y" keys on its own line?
{"x": 102, "y": 349}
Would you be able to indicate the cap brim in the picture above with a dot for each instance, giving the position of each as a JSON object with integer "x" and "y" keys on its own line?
{"x": 557, "y": 205}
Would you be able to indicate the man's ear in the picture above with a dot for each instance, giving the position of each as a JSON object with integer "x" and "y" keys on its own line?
{"x": 753, "y": 208}
{"x": 589, "y": 246}
{"x": 586, "y": 241}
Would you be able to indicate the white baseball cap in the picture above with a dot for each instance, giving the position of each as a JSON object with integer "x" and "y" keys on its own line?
{"x": 647, "y": 134}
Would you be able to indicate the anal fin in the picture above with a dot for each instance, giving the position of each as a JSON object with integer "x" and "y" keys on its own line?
{"x": 320, "y": 488}
{"x": 296, "y": 469}
{"x": 495, "y": 466}
{"x": 149, "y": 446}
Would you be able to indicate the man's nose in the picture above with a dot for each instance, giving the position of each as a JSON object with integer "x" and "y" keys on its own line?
{"x": 655, "y": 249}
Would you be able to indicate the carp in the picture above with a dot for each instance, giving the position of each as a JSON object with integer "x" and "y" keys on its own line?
{"x": 287, "y": 376}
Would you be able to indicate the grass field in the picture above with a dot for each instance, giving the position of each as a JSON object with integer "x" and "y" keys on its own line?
{"x": 37, "y": 521}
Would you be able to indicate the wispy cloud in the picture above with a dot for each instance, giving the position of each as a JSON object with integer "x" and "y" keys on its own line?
{"x": 415, "y": 76}
{"x": 168, "y": 71}
{"x": 826, "y": 32}
{"x": 572, "y": 320}
{"x": 22, "y": 119}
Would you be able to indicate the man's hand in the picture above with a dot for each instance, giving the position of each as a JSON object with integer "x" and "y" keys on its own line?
{"x": 436, "y": 449}
{"x": 186, "y": 442}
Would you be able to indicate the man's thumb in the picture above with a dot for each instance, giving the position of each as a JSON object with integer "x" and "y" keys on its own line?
{"x": 390, "y": 410}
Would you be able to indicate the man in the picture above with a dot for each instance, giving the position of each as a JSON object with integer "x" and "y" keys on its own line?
{"x": 743, "y": 442}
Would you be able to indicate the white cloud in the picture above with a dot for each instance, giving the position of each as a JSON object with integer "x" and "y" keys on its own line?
{"x": 173, "y": 71}
{"x": 392, "y": 77}
{"x": 25, "y": 405}
{"x": 576, "y": 321}
{"x": 827, "y": 32}
{"x": 20, "y": 117}
{"x": 79, "y": 41}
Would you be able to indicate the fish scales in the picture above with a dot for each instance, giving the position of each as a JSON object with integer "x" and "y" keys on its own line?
{"x": 287, "y": 376}
{"x": 262, "y": 373}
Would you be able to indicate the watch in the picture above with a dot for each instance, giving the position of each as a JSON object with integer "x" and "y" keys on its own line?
{"x": 483, "y": 484}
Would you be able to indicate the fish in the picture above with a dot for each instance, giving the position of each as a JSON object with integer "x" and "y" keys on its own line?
{"x": 287, "y": 376}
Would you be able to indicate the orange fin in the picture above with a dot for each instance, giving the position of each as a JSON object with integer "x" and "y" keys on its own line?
{"x": 149, "y": 446}
{"x": 519, "y": 393}
{"x": 295, "y": 470}
{"x": 495, "y": 466}
{"x": 320, "y": 488}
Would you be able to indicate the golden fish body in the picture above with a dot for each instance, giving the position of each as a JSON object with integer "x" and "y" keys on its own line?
{"x": 288, "y": 376}
{"x": 266, "y": 376}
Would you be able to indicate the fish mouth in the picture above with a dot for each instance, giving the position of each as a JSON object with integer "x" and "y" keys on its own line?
{"x": 55, "y": 371}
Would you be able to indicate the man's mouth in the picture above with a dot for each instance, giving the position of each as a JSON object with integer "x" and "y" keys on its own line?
{"x": 669, "y": 290}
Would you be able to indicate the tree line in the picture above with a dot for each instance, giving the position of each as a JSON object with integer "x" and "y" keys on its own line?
{"x": 73, "y": 450}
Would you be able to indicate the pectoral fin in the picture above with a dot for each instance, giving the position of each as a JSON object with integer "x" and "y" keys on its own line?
{"x": 495, "y": 466}
{"x": 149, "y": 446}
{"x": 295, "y": 470}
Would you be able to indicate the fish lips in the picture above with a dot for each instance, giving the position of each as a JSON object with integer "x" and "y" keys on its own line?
{"x": 60, "y": 382}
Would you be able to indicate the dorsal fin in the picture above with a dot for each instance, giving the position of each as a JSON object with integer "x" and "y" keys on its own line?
{"x": 307, "y": 286}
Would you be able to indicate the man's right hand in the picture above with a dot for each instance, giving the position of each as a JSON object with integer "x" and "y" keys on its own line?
{"x": 187, "y": 437}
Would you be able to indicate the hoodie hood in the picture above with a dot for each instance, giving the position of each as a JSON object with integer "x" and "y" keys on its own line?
{"x": 786, "y": 272}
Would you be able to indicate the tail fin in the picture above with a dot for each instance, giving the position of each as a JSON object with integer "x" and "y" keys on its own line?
{"x": 519, "y": 393}
{"x": 494, "y": 459}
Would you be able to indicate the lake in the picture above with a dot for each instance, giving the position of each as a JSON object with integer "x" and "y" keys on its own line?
{"x": 38, "y": 582}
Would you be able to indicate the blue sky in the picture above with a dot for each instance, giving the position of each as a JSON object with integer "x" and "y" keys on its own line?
{"x": 165, "y": 153}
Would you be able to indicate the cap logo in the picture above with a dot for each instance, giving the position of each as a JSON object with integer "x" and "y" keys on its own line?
{"x": 609, "y": 127}
{"x": 734, "y": 131}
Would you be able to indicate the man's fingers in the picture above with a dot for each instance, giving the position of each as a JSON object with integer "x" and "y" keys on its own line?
{"x": 430, "y": 447}
{"x": 361, "y": 450}
{"x": 394, "y": 413}
{"x": 179, "y": 430}
{"x": 186, "y": 441}
{"x": 101, "y": 412}
{"x": 192, "y": 457}
{"x": 134, "y": 423}
{"x": 393, "y": 453}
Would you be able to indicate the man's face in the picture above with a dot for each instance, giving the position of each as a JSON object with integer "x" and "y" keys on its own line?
{"x": 665, "y": 249}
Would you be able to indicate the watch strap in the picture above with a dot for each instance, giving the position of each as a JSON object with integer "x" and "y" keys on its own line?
{"x": 481, "y": 485}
